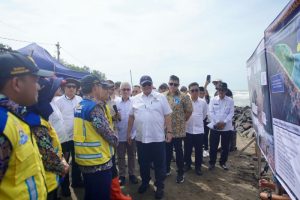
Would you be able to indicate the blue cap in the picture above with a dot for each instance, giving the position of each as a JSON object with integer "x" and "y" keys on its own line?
{"x": 145, "y": 79}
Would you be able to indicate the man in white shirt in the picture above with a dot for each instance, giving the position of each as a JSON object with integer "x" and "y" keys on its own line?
{"x": 195, "y": 130}
{"x": 124, "y": 105}
{"x": 221, "y": 111}
{"x": 150, "y": 112}
{"x": 66, "y": 104}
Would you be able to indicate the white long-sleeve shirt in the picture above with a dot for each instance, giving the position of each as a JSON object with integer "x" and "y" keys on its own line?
{"x": 195, "y": 123}
{"x": 67, "y": 108}
{"x": 124, "y": 108}
{"x": 221, "y": 110}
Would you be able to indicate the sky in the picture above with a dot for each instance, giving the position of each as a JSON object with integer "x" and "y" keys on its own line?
{"x": 187, "y": 38}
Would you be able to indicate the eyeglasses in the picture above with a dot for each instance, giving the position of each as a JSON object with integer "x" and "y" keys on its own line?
{"x": 126, "y": 89}
{"x": 71, "y": 86}
{"x": 174, "y": 84}
{"x": 146, "y": 84}
{"x": 194, "y": 90}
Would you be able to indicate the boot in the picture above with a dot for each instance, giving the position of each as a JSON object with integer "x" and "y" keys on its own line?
{"x": 115, "y": 192}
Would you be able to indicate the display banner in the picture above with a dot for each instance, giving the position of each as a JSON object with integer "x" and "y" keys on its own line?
{"x": 282, "y": 41}
{"x": 260, "y": 103}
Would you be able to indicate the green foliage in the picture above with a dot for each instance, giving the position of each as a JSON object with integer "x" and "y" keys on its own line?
{"x": 83, "y": 69}
{"x": 4, "y": 47}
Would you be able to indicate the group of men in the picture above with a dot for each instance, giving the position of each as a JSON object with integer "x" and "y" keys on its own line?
{"x": 96, "y": 127}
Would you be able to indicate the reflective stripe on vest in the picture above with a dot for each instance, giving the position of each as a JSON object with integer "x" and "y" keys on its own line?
{"x": 90, "y": 148}
{"x": 24, "y": 177}
{"x": 34, "y": 120}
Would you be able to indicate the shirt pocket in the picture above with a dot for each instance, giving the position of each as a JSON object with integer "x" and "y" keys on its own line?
{"x": 26, "y": 162}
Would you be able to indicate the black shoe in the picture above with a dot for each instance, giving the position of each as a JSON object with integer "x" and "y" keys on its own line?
{"x": 180, "y": 178}
{"x": 186, "y": 168}
{"x": 133, "y": 179}
{"x": 77, "y": 185}
{"x": 159, "y": 193}
{"x": 143, "y": 188}
{"x": 198, "y": 172}
{"x": 122, "y": 180}
{"x": 211, "y": 167}
{"x": 224, "y": 166}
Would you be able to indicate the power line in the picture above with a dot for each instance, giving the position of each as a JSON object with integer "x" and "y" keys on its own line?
{"x": 72, "y": 56}
{"x": 26, "y": 41}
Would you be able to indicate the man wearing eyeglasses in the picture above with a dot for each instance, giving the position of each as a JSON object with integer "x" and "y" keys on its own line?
{"x": 150, "y": 113}
{"x": 195, "y": 130}
{"x": 124, "y": 105}
{"x": 182, "y": 109}
{"x": 66, "y": 104}
{"x": 221, "y": 111}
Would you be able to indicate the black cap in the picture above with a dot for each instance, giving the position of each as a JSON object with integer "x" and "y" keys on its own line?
{"x": 74, "y": 81}
{"x": 16, "y": 64}
{"x": 222, "y": 86}
{"x": 145, "y": 79}
{"x": 89, "y": 81}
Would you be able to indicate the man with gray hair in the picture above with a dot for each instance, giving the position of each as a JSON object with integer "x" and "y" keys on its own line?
{"x": 124, "y": 105}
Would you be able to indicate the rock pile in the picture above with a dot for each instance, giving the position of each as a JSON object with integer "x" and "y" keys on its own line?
{"x": 243, "y": 121}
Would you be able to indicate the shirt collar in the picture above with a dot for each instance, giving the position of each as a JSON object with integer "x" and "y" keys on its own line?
{"x": 150, "y": 95}
{"x": 69, "y": 98}
{"x": 129, "y": 99}
{"x": 177, "y": 93}
{"x": 11, "y": 105}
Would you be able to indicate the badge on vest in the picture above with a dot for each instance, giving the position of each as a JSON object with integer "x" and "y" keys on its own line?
{"x": 23, "y": 137}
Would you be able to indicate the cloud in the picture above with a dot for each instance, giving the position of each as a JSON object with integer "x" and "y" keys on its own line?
{"x": 189, "y": 38}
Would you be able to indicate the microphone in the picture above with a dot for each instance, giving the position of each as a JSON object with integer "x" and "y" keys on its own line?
{"x": 117, "y": 112}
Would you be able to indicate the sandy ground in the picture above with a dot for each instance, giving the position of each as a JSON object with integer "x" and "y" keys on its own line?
{"x": 236, "y": 184}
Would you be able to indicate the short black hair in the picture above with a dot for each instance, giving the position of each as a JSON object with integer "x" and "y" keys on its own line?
{"x": 183, "y": 89}
{"x": 193, "y": 84}
{"x": 87, "y": 89}
{"x": 174, "y": 78}
{"x": 163, "y": 86}
{"x": 137, "y": 86}
{"x": 201, "y": 89}
{"x": 117, "y": 84}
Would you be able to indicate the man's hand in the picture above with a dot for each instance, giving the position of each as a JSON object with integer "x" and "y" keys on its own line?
{"x": 220, "y": 125}
{"x": 169, "y": 137}
{"x": 129, "y": 140}
{"x": 66, "y": 167}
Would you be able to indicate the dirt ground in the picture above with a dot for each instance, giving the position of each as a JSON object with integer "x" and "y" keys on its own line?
{"x": 236, "y": 184}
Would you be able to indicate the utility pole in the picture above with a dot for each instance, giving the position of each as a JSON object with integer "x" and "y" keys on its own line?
{"x": 58, "y": 50}
{"x": 131, "y": 79}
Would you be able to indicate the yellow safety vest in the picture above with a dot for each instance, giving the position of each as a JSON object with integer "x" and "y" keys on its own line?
{"x": 35, "y": 120}
{"x": 25, "y": 175}
{"x": 90, "y": 148}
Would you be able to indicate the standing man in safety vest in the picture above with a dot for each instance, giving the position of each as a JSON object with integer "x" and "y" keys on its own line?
{"x": 21, "y": 169}
{"x": 94, "y": 139}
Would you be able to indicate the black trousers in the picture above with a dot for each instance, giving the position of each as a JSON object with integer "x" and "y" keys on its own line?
{"x": 97, "y": 185}
{"x": 232, "y": 142}
{"x": 177, "y": 144}
{"x": 206, "y": 133}
{"x": 76, "y": 174}
{"x": 152, "y": 152}
{"x": 196, "y": 141}
{"x": 214, "y": 141}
